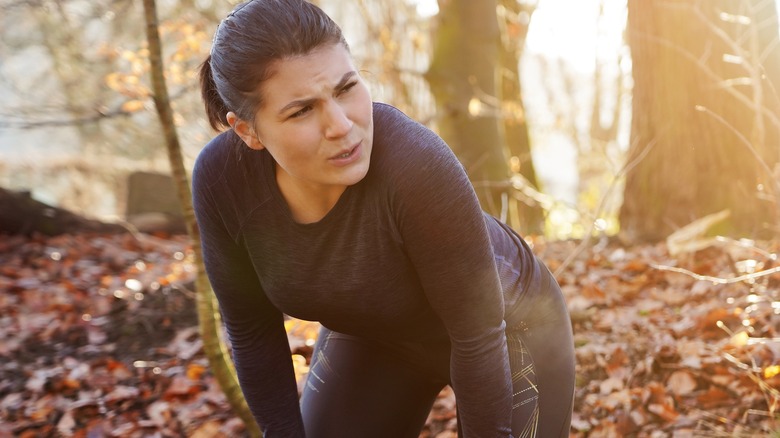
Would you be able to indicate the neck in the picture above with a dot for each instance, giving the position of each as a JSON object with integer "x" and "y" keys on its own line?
{"x": 307, "y": 203}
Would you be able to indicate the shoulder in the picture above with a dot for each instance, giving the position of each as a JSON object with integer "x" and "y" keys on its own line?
{"x": 215, "y": 158}
{"x": 391, "y": 125}
{"x": 228, "y": 178}
{"x": 406, "y": 147}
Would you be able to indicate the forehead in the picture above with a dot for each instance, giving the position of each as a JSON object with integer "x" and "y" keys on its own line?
{"x": 304, "y": 76}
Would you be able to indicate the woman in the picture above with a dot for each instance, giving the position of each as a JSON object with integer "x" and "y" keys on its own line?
{"x": 320, "y": 204}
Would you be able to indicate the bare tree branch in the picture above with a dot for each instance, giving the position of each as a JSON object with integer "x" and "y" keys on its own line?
{"x": 210, "y": 321}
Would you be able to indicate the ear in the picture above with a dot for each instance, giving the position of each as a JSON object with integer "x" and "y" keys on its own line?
{"x": 244, "y": 130}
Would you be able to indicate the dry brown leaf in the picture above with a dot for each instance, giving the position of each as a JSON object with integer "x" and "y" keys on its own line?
{"x": 636, "y": 265}
{"x": 580, "y": 424}
{"x": 681, "y": 383}
{"x": 708, "y": 324}
{"x": 610, "y": 385}
{"x": 605, "y": 429}
{"x": 671, "y": 296}
{"x": 66, "y": 424}
{"x": 159, "y": 412}
{"x": 713, "y": 397}
{"x": 617, "y": 360}
{"x": 594, "y": 293}
{"x": 691, "y": 353}
{"x": 639, "y": 416}
{"x": 617, "y": 399}
{"x": 122, "y": 393}
{"x": 181, "y": 386}
{"x": 665, "y": 411}
{"x": 654, "y": 393}
{"x": 195, "y": 371}
{"x": 209, "y": 429}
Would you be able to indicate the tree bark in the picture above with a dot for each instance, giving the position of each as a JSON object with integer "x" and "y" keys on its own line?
{"x": 528, "y": 218}
{"x": 208, "y": 313}
{"x": 462, "y": 77}
{"x": 705, "y": 131}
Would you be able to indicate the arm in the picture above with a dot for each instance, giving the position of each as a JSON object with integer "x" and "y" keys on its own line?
{"x": 255, "y": 327}
{"x": 446, "y": 238}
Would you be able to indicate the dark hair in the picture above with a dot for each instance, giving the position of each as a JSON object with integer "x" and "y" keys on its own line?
{"x": 248, "y": 41}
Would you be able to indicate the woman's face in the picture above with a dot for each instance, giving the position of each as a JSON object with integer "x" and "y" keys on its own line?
{"x": 316, "y": 121}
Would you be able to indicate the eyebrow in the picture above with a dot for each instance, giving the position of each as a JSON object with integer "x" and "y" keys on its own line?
{"x": 305, "y": 102}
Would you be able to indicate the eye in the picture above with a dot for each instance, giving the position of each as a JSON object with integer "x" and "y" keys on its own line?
{"x": 300, "y": 112}
{"x": 347, "y": 87}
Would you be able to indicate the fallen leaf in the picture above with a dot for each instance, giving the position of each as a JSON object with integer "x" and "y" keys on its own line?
{"x": 580, "y": 424}
{"x": 615, "y": 366}
{"x": 121, "y": 393}
{"x": 181, "y": 386}
{"x": 771, "y": 371}
{"x": 713, "y": 397}
{"x": 66, "y": 424}
{"x": 610, "y": 385}
{"x": 195, "y": 371}
{"x": 209, "y": 429}
{"x": 665, "y": 411}
{"x": 617, "y": 399}
{"x": 593, "y": 293}
{"x": 159, "y": 412}
{"x": 681, "y": 383}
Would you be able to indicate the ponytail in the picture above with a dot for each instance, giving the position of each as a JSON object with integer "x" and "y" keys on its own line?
{"x": 216, "y": 110}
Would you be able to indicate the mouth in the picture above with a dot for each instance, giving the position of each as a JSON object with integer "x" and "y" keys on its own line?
{"x": 346, "y": 154}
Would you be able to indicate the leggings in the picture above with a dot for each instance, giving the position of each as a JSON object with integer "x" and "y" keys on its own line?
{"x": 366, "y": 388}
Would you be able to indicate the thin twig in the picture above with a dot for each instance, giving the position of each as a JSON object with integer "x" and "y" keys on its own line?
{"x": 742, "y": 139}
{"x": 586, "y": 240}
{"x": 708, "y": 72}
{"x": 716, "y": 280}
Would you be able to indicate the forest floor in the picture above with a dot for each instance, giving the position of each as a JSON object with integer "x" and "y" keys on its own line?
{"x": 98, "y": 338}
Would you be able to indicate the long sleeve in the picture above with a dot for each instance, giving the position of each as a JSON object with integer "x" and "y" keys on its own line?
{"x": 255, "y": 327}
{"x": 445, "y": 236}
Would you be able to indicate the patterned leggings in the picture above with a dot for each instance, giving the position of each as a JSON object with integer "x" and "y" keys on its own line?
{"x": 360, "y": 388}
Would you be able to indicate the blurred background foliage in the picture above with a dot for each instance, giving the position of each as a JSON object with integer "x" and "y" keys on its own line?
{"x": 559, "y": 109}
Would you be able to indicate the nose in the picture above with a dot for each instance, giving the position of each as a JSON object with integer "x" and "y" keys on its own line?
{"x": 337, "y": 122}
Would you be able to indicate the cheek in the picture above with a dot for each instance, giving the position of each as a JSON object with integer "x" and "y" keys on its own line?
{"x": 301, "y": 146}
{"x": 365, "y": 108}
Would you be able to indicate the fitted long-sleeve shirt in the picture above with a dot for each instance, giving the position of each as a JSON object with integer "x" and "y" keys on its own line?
{"x": 405, "y": 254}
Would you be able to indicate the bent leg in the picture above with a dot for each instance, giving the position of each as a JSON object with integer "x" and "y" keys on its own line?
{"x": 525, "y": 388}
{"x": 358, "y": 388}
{"x": 542, "y": 351}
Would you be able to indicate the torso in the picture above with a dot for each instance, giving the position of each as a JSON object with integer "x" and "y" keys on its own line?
{"x": 350, "y": 268}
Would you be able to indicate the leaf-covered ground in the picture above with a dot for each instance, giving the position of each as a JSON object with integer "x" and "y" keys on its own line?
{"x": 98, "y": 338}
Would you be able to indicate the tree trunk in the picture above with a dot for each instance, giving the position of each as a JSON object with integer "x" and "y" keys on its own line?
{"x": 462, "y": 76}
{"x": 705, "y": 131}
{"x": 208, "y": 313}
{"x": 21, "y": 214}
{"x": 528, "y": 217}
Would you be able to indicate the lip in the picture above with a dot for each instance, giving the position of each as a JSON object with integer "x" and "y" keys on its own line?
{"x": 354, "y": 155}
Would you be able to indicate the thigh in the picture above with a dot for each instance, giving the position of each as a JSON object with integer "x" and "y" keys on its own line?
{"x": 358, "y": 388}
{"x": 525, "y": 387}
{"x": 542, "y": 369}
{"x": 541, "y": 354}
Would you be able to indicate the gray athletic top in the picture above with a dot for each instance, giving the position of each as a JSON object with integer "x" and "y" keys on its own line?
{"x": 405, "y": 254}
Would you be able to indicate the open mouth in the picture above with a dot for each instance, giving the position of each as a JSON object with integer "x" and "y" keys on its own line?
{"x": 347, "y": 154}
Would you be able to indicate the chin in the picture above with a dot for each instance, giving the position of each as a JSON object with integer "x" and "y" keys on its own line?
{"x": 356, "y": 175}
